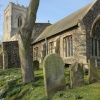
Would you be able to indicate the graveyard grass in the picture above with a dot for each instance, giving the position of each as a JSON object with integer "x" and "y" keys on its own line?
{"x": 12, "y": 88}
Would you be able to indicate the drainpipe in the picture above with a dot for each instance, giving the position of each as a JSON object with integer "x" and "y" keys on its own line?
{"x": 46, "y": 46}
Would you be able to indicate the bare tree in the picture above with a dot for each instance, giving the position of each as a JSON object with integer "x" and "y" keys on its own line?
{"x": 24, "y": 41}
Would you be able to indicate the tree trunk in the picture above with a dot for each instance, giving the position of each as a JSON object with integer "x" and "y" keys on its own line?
{"x": 24, "y": 41}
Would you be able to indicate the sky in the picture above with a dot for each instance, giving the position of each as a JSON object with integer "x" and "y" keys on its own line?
{"x": 52, "y": 10}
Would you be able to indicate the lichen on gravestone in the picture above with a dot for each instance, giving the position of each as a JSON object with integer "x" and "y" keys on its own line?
{"x": 76, "y": 75}
{"x": 54, "y": 76}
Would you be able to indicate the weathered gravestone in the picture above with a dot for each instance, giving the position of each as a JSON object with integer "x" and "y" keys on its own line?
{"x": 93, "y": 72}
{"x": 76, "y": 75}
{"x": 36, "y": 65}
{"x": 54, "y": 77}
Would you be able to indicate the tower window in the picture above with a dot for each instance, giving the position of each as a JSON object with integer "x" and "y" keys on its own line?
{"x": 19, "y": 21}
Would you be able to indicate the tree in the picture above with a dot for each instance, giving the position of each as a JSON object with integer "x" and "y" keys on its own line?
{"x": 24, "y": 42}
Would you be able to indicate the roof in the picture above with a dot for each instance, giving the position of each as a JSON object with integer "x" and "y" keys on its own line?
{"x": 66, "y": 23}
{"x": 38, "y": 29}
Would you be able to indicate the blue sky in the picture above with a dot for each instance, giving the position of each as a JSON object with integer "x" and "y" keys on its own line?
{"x": 52, "y": 10}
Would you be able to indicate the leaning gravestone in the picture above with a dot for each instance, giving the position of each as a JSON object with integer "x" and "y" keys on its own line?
{"x": 76, "y": 75}
{"x": 93, "y": 72}
{"x": 36, "y": 65}
{"x": 54, "y": 77}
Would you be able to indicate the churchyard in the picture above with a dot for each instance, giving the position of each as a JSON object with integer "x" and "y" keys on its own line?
{"x": 53, "y": 82}
{"x": 12, "y": 88}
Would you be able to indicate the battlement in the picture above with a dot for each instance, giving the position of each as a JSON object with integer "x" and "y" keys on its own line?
{"x": 17, "y": 5}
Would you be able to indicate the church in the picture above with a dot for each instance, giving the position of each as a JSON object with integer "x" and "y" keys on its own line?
{"x": 75, "y": 38}
{"x": 14, "y": 17}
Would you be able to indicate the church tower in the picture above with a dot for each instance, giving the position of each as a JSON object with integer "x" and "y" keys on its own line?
{"x": 14, "y": 17}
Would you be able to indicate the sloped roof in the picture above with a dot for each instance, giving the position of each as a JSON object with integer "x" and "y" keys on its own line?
{"x": 38, "y": 29}
{"x": 65, "y": 23}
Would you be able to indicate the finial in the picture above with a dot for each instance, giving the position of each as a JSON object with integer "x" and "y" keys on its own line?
{"x": 17, "y": 1}
{"x": 48, "y": 21}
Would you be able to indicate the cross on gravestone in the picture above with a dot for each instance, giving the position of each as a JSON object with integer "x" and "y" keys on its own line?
{"x": 54, "y": 77}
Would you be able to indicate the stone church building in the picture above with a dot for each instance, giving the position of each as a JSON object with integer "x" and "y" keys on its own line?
{"x": 14, "y": 17}
{"x": 75, "y": 37}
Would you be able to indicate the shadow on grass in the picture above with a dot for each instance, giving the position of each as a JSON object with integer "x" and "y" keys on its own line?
{"x": 38, "y": 81}
{"x": 37, "y": 78}
{"x": 11, "y": 88}
{"x": 21, "y": 96}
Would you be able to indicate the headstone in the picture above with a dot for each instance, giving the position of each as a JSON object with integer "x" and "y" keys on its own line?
{"x": 76, "y": 75}
{"x": 54, "y": 77}
{"x": 93, "y": 72}
{"x": 36, "y": 65}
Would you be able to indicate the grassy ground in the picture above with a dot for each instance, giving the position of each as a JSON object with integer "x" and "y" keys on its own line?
{"x": 12, "y": 88}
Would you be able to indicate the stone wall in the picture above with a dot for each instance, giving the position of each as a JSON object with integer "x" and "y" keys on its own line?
{"x": 79, "y": 45}
{"x": 87, "y": 23}
{"x": 1, "y": 61}
{"x": 38, "y": 29}
{"x": 12, "y": 50}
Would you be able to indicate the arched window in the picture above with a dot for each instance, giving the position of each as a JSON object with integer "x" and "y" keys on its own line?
{"x": 96, "y": 39}
{"x": 19, "y": 21}
{"x": 68, "y": 46}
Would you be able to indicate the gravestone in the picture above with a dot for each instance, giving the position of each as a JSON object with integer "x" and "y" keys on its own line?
{"x": 93, "y": 72}
{"x": 54, "y": 77}
{"x": 76, "y": 75}
{"x": 36, "y": 65}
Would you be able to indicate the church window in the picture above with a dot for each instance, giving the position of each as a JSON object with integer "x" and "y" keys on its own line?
{"x": 95, "y": 47}
{"x": 19, "y": 21}
{"x": 35, "y": 54}
{"x": 68, "y": 46}
{"x": 96, "y": 39}
{"x": 43, "y": 50}
{"x": 51, "y": 47}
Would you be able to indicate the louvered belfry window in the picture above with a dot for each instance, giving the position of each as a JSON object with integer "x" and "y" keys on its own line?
{"x": 19, "y": 21}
